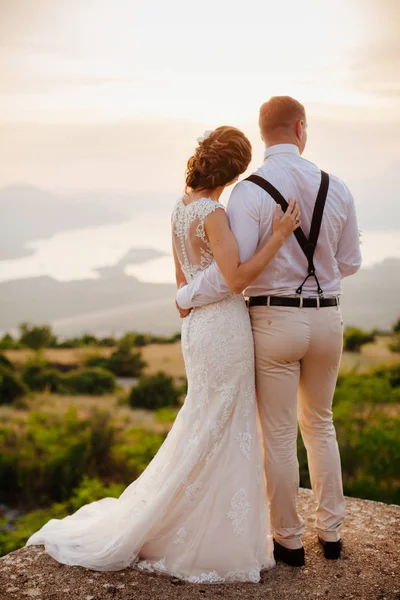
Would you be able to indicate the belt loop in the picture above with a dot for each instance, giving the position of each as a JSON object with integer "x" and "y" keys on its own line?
{"x": 318, "y": 303}
{"x": 268, "y": 301}
{"x": 301, "y": 302}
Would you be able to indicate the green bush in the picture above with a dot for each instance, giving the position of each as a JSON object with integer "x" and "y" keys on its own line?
{"x": 366, "y": 389}
{"x": 108, "y": 342}
{"x": 354, "y": 338}
{"x": 92, "y": 381}
{"x": 7, "y": 342}
{"x": 166, "y": 415}
{"x": 39, "y": 376}
{"x": 89, "y": 490}
{"x": 154, "y": 391}
{"x": 43, "y": 458}
{"x": 157, "y": 339}
{"x": 11, "y": 386}
{"x": 4, "y": 362}
{"x": 389, "y": 372}
{"x": 134, "y": 452}
{"x": 396, "y": 327}
{"x": 95, "y": 360}
{"x": 125, "y": 363}
{"x": 368, "y": 432}
{"x": 395, "y": 345}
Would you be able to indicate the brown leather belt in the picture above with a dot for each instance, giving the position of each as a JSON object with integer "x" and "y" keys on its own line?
{"x": 297, "y": 302}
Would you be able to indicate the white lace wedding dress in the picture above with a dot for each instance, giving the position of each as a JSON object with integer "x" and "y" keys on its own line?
{"x": 199, "y": 511}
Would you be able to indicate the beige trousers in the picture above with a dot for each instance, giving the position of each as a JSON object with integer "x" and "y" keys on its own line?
{"x": 298, "y": 354}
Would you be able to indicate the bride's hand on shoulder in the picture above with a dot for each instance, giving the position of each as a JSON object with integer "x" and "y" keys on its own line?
{"x": 289, "y": 222}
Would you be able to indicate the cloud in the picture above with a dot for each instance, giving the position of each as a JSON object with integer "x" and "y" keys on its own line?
{"x": 375, "y": 67}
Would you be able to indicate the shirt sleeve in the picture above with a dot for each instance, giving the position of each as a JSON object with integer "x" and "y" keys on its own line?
{"x": 348, "y": 254}
{"x": 209, "y": 286}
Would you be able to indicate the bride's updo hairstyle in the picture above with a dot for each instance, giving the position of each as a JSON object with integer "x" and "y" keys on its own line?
{"x": 218, "y": 159}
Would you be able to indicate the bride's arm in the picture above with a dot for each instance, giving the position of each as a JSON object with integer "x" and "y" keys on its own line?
{"x": 226, "y": 251}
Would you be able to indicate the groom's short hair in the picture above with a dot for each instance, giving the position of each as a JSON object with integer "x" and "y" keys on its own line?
{"x": 280, "y": 113}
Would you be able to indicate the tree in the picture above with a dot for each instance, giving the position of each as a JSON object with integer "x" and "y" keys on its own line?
{"x": 354, "y": 338}
{"x": 7, "y": 342}
{"x": 140, "y": 340}
{"x": 396, "y": 326}
{"x": 36, "y": 337}
{"x": 154, "y": 391}
{"x": 87, "y": 339}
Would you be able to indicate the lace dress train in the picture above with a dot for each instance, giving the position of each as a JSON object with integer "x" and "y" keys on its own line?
{"x": 199, "y": 511}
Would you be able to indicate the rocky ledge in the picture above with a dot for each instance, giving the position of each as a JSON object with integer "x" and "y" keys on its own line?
{"x": 368, "y": 570}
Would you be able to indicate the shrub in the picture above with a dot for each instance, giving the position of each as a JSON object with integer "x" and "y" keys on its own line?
{"x": 95, "y": 360}
{"x": 4, "y": 362}
{"x": 389, "y": 372}
{"x": 125, "y": 363}
{"x": 11, "y": 386}
{"x": 108, "y": 342}
{"x": 136, "y": 450}
{"x": 89, "y": 490}
{"x": 39, "y": 376}
{"x": 156, "y": 339}
{"x": 395, "y": 345}
{"x": 396, "y": 326}
{"x": 354, "y": 338}
{"x": 166, "y": 416}
{"x": 43, "y": 458}
{"x": 154, "y": 392}
{"x": 92, "y": 381}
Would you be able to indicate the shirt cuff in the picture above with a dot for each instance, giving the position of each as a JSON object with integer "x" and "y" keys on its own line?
{"x": 184, "y": 298}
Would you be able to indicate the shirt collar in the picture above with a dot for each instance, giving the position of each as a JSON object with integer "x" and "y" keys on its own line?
{"x": 281, "y": 149}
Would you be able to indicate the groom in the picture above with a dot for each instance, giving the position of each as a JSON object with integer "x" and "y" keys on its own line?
{"x": 296, "y": 321}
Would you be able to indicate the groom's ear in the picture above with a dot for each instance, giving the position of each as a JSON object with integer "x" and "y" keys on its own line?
{"x": 301, "y": 130}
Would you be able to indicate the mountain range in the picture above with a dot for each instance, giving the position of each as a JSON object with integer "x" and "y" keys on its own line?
{"x": 116, "y": 302}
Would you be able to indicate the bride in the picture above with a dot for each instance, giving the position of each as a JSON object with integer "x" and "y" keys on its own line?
{"x": 199, "y": 511}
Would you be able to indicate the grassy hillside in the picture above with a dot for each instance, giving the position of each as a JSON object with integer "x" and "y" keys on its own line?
{"x": 168, "y": 357}
{"x": 61, "y": 448}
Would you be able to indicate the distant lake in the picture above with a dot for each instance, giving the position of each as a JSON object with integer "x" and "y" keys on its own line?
{"x": 76, "y": 254}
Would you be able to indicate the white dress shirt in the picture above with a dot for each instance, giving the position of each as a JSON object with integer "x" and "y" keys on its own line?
{"x": 251, "y": 211}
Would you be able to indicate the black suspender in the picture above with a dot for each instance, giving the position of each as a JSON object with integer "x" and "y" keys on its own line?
{"x": 307, "y": 245}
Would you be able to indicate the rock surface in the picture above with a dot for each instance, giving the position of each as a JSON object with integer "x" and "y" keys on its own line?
{"x": 368, "y": 570}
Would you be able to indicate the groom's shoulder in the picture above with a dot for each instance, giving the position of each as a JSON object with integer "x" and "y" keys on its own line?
{"x": 339, "y": 186}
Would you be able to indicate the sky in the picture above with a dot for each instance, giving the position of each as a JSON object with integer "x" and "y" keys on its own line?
{"x": 111, "y": 94}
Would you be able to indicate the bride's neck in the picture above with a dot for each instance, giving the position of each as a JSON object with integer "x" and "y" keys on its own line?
{"x": 213, "y": 194}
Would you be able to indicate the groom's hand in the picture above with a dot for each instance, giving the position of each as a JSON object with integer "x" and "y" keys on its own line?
{"x": 183, "y": 312}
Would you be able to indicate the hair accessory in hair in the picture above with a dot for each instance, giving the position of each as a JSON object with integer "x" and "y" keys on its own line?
{"x": 205, "y": 135}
